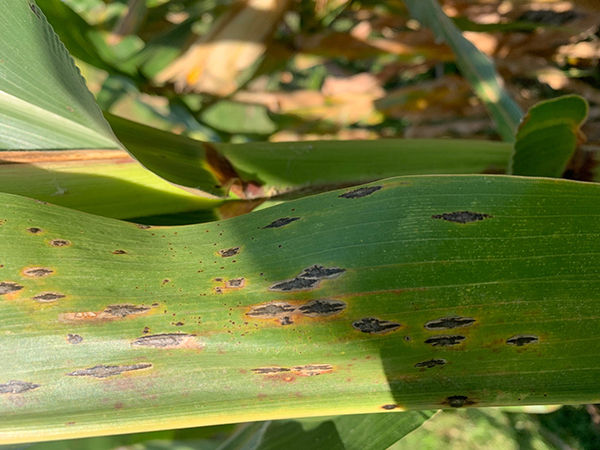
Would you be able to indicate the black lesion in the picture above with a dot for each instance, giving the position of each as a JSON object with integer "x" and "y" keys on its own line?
{"x": 360, "y": 192}
{"x": 461, "y": 216}
{"x": 430, "y": 363}
{"x": 281, "y": 222}
{"x": 444, "y": 341}
{"x": 373, "y": 325}
{"x": 322, "y": 308}
{"x": 308, "y": 278}
{"x": 521, "y": 340}
{"x": 449, "y": 322}
{"x": 6, "y": 287}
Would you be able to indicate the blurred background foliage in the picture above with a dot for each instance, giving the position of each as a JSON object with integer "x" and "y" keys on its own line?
{"x": 290, "y": 70}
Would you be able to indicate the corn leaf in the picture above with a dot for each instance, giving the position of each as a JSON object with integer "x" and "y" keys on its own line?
{"x": 548, "y": 136}
{"x": 409, "y": 293}
{"x": 44, "y": 103}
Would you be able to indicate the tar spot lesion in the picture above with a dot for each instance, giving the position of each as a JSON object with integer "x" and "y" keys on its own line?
{"x": 165, "y": 340}
{"x": 125, "y": 310}
{"x": 430, "y": 363}
{"x": 324, "y": 307}
{"x": 458, "y": 401}
{"x": 17, "y": 387}
{"x": 105, "y": 371}
{"x": 372, "y": 325}
{"x": 461, "y": 216}
{"x": 7, "y": 287}
{"x": 270, "y": 370}
{"x": 449, "y": 323}
{"x": 235, "y": 283}
{"x": 35, "y": 10}
{"x": 284, "y": 312}
{"x": 119, "y": 252}
{"x": 361, "y": 192}
{"x": 281, "y": 222}
{"x": 48, "y": 297}
{"x": 228, "y": 252}
{"x": 445, "y": 341}
{"x": 74, "y": 339}
{"x": 309, "y": 278}
{"x": 37, "y": 272}
{"x": 60, "y": 243}
{"x": 307, "y": 370}
{"x": 389, "y": 407}
{"x": 521, "y": 340}
{"x": 35, "y": 230}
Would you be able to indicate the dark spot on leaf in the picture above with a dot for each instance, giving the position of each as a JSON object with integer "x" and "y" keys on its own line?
{"x": 35, "y": 10}
{"x": 17, "y": 387}
{"x": 270, "y": 370}
{"x": 281, "y": 222}
{"x": 34, "y": 230}
{"x": 235, "y": 283}
{"x": 6, "y": 287}
{"x": 389, "y": 407}
{"x": 361, "y": 192}
{"x": 320, "y": 272}
{"x": 308, "y": 278}
{"x": 458, "y": 401}
{"x": 37, "y": 272}
{"x": 286, "y": 320}
{"x": 165, "y": 340}
{"x": 179, "y": 324}
{"x": 48, "y": 297}
{"x": 226, "y": 253}
{"x": 461, "y": 216}
{"x": 373, "y": 325}
{"x": 521, "y": 340}
{"x": 107, "y": 371}
{"x": 119, "y": 252}
{"x": 323, "y": 307}
{"x": 295, "y": 284}
{"x": 310, "y": 370}
{"x": 142, "y": 226}
{"x": 444, "y": 341}
{"x": 125, "y": 310}
{"x": 273, "y": 309}
{"x": 74, "y": 338}
{"x": 431, "y": 363}
{"x": 59, "y": 243}
{"x": 449, "y": 322}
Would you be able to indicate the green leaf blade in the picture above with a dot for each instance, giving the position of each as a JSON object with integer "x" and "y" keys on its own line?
{"x": 44, "y": 100}
{"x": 548, "y": 136}
{"x": 410, "y": 293}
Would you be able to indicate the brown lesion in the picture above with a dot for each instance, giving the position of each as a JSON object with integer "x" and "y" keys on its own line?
{"x": 37, "y": 272}
{"x": 105, "y": 371}
{"x": 111, "y": 312}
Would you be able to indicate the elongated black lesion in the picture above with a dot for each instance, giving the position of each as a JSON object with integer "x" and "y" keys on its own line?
{"x": 461, "y": 216}
{"x": 49, "y": 297}
{"x": 372, "y": 325}
{"x": 6, "y": 287}
{"x": 309, "y": 278}
{"x": 37, "y": 272}
{"x": 445, "y": 341}
{"x": 430, "y": 363}
{"x": 458, "y": 401}
{"x": 360, "y": 192}
{"x": 17, "y": 387}
{"x": 324, "y": 307}
{"x": 521, "y": 340}
{"x": 125, "y": 310}
{"x": 271, "y": 310}
{"x": 105, "y": 371}
{"x": 449, "y": 323}
{"x": 163, "y": 340}
{"x": 228, "y": 252}
{"x": 281, "y": 222}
